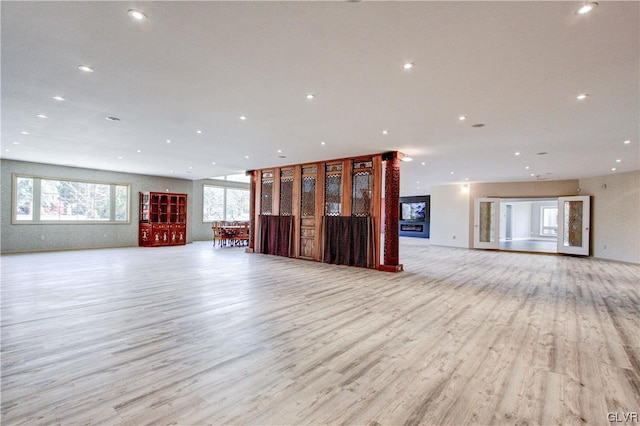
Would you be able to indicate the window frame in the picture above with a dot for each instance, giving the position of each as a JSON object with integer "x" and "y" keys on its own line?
{"x": 37, "y": 200}
{"x": 542, "y": 224}
{"x": 224, "y": 185}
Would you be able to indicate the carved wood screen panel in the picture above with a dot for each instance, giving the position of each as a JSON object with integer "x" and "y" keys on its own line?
{"x": 286, "y": 192}
{"x": 352, "y": 189}
{"x": 266, "y": 199}
{"x": 362, "y": 186}
{"x": 333, "y": 190}
{"x": 308, "y": 212}
{"x": 308, "y": 198}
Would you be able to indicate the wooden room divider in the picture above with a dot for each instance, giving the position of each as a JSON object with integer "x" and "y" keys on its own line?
{"x": 329, "y": 211}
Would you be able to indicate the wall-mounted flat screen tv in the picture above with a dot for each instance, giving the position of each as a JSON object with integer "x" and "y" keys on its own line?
{"x": 413, "y": 211}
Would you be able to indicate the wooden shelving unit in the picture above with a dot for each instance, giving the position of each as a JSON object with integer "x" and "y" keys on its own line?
{"x": 163, "y": 219}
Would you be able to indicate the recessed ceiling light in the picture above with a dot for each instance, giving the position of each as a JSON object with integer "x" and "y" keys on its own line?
{"x": 423, "y": 163}
{"x": 385, "y": 132}
{"x": 41, "y": 116}
{"x": 246, "y": 156}
{"x": 627, "y": 142}
{"x": 279, "y": 151}
{"x": 119, "y": 158}
{"x": 213, "y": 163}
{"x": 16, "y": 143}
{"x": 137, "y": 15}
{"x": 466, "y": 178}
{"x": 517, "y": 153}
{"x": 168, "y": 140}
{"x": 310, "y": 96}
{"x": 199, "y": 132}
{"x": 58, "y": 98}
{"x": 408, "y": 65}
{"x": 618, "y": 160}
{"x": 323, "y": 143}
{"x": 527, "y": 168}
{"x": 586, "y": 8}
{"x": 532, "y": 174}
{"x": 242, "y": 117}
{"x": 138, "y": 151}
{"x": 85, "y": 68}
{"x": 24, "y": 133}
{"x": 407, "y": 159}
{"x": 613, "y": 169}
{"x": 452, "y": 173}
{"x": 190, "y": 168}
{"x": 110, "y": 118}
{"x": 582, "y": 96}
{"x": 462, "y": 117}
{"x": 170, "y": 171}
{"x": 478, "y": 125}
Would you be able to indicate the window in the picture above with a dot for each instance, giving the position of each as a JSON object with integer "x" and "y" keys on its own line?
{"x": 213, "y": 203}
{"x": 241, "y": 177}
{"x": 42, "y": 200}
{"x": 23, "y": 198}
{"x": 549, "y": 222}
{"x": 237, "y": 205}
{"x": 220, "y": 203}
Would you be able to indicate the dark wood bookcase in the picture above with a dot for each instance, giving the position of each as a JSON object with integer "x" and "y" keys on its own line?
{"x": 163, "y": 219}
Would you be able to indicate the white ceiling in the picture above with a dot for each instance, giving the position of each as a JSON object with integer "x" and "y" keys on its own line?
{"x": 515, "y": 66}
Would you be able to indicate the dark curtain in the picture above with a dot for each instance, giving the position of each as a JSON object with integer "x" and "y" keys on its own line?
{"x": 275, "y": 234}
{"x": 349, "y": 240}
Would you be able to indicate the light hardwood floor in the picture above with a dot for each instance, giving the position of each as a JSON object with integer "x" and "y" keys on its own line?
{"x": 195, "y": 335}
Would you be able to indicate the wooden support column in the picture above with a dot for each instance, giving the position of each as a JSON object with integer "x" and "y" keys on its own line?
{"x": 392, "y": 213}
{"x": 377, "y": 205}
{"x": 320, "y": 206}
{"x": 295, "y": 209}
{"x": 252, "y": 211}
{"x": 347, "y": 170}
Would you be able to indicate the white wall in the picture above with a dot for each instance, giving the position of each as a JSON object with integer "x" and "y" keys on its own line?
{"x": 450, "y": 216}
{"x": 615, "y": 218}
{"x": 615, "y": 215}
{"x": 520, "y": 219}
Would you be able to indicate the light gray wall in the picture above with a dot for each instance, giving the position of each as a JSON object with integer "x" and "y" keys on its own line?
{"x": 615, "y": 215}
{"x": 520, "y": 219}
{"x": 39, "y": 237}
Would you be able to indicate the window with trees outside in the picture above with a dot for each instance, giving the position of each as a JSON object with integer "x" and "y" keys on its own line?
{"x": 223, "y": 203}
{"x": 44, "y": 200}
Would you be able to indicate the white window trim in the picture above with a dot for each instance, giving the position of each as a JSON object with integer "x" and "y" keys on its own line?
{"x": 542, "y": 227}
{"x": 37, "y": 200}
{"x": 224, "y": 185}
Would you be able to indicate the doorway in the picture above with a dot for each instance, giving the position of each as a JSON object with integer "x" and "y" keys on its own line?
{"x": 543, "y": 225}
{"x": 529, "y": 225}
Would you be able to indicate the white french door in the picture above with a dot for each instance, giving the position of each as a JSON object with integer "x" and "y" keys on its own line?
{"x": 574, "y": 224}
{"x": 486, "y": 223}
